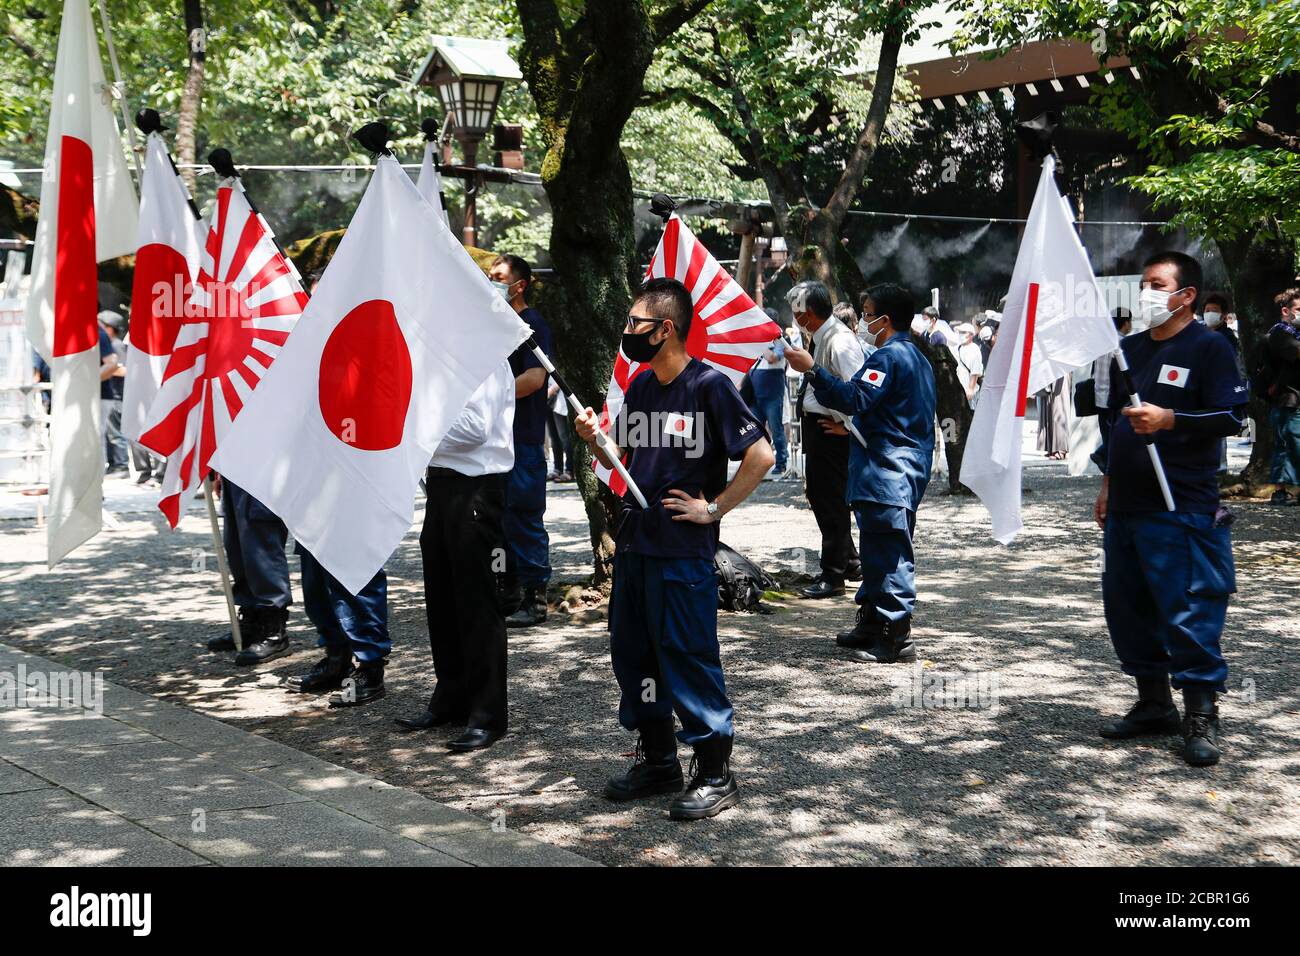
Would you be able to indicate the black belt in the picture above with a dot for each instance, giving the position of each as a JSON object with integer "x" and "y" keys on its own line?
{"x": 451, "y": 474}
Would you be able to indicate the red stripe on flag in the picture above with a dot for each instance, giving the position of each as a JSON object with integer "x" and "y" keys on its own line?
{"x": 699, "y": 255}
{"x": 76, "y": 288}
{"x": 716, "y": 285}
{"x": 1031, "y": 312}
{"x": 740, "y": 363}
{"x": 669, "y": 243}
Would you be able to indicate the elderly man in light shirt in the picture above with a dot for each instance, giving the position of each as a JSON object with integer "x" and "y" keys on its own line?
{"x": 462, "y": 545}
{"x": 825, "y": 432}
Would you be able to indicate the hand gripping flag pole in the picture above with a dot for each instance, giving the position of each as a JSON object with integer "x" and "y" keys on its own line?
{"x": 606, "y": 443}
{"x": 1136, "y": 402}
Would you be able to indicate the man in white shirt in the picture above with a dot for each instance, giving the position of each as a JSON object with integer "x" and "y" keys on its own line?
{"x": 462, "y": 545}
{"x": 825, "y": 435}
{"x": 970, "y": 361}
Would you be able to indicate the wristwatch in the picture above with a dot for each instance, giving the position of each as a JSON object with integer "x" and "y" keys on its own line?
{"x": 712, "y": 510}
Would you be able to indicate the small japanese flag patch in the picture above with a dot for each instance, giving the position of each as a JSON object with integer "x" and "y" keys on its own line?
{"x": 676, "y": 423}
{"x": 874, "y": 376}
{"x": 1173, "y": 375}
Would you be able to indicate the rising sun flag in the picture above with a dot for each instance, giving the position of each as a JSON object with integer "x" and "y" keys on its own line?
{"x": 246, "y": 301}
{"x": 728, "y": 331}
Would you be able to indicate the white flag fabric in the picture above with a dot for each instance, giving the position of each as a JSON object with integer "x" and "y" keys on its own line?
{"x": 728, "y": 331}
{"x": 1055, "y": 321}
{"x": 247, "y": 299}
{"x": 430, "y": 182}
{"x": 88, "y": 214}
{"x": 402, "y": 329}
{"x": 166, "y": 265}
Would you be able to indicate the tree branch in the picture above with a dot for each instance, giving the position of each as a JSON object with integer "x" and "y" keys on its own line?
{"x": 669, "y": 20}
{"x": 882, "y": 94}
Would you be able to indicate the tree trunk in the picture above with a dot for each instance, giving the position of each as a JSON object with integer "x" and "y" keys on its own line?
{"x": 1259, "y": 267}
{"x": 192, "y": 95}
{"x": 586, "y": 78}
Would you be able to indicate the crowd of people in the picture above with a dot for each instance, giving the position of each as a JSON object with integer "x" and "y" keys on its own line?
{"x": 847, "y": 387}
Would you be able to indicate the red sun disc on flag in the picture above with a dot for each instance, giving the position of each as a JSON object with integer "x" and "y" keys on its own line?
{"x": 159, "y": 291}
{"x": 1173, "y": 375}
{"x": 365, "y": 378}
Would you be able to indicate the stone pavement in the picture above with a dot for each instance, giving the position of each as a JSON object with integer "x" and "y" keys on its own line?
{"x": 129, "y": 780}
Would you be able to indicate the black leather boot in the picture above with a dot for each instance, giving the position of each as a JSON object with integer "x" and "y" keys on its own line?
{"x": 893, "y": 646}
{"x": 1153, "y": 714}
{"x": 1200, "y": 727}
{"x": 364, "y": 684}
{"x": 866, "y": 632}
{"x": 656, "y": 768}
{"x": 328, "y": 673}
{"x": 713, "y": 786}
{"x": 271, "y": 640}
{"x": 532, "y": 611}
{"x": 248, "y": 632}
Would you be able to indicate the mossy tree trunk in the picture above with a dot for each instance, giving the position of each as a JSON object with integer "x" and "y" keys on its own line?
{"x": 1258, "y": 268}
{"x": 586, "y": 75}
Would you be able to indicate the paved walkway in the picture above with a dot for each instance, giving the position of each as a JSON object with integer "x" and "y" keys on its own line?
{"x": 135, "y": 781}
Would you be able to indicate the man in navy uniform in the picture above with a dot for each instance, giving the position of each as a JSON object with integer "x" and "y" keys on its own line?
{"x": 347, "y": 625}
{"x": 528, "y": 554}
{"x": 679, "y": 425}
{"x": 1167, "y": 574}
{"x": 891, "y": 399}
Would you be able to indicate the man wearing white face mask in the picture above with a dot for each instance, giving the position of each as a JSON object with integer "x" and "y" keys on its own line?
{"x": 1167, "y": 575}
{"x": 825, "y": 435}
{"x": 527, "y": 544}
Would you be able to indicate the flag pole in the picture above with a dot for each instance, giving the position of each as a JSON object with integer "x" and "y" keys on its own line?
{"x": 221, "y": 563}
{"x": 605, "y": 442}
{"x": 1136, "y": 402}
{"x": 120, "y": 88}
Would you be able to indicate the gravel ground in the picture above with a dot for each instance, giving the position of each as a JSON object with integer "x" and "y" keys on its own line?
{"x": 838, "y": 762}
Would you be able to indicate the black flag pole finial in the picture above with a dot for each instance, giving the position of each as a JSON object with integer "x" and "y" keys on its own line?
{"x": 148, "y": 121}
{"x": 430, "y": 128}
{"x": 373, "y": 138}
{"x": 662, "y": 205}
{"x": 223, "y": 163}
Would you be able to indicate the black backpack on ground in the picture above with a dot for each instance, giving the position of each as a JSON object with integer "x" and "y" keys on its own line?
{"x": 741, "y": 582}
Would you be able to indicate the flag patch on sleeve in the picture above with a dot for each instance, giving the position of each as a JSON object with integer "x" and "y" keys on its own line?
{"x": 1173, "y": 375}
{"x": 874, "y": 376}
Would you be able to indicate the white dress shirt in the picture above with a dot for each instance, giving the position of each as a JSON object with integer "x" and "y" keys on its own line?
{"x": 837, "y": 349}
{"x": 481, "y": 441}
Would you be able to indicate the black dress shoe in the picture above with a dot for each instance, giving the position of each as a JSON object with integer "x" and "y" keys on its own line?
{"x": 713, "y": 786}
{"x": 1153, "y": 714}
{"x": 364, "y": 684}
{"x": 822, "y": 588}
{"x": 427, "y": 719}
{"x": 474, "y": 738}
{"x": 328, "y": 673}
{"x": 854, "y": 573}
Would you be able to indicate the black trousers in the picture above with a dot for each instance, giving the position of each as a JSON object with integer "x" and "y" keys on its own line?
{"x": 826, "y": 478}
{"x": 463, "y": 551}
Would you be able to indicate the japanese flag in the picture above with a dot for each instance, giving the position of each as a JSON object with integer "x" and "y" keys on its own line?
{"x": 88, "y": 214}
{"x": 166, "y": 264}
{"x": 1055, "y": 321}
{"x": 874, "y": 376}
{"x": 1174, "y": 375}
{"x": 402, "y": 329}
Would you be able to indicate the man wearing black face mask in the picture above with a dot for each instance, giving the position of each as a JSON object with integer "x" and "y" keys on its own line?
{"x": 680, "y": 422}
